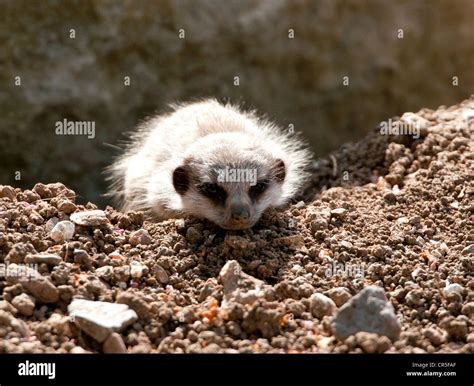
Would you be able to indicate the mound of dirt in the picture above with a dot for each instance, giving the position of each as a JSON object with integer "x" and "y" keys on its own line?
{"x": 378, "y": 258}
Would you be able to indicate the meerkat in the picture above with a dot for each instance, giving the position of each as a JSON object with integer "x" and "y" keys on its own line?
{"x": 211, "y": 161}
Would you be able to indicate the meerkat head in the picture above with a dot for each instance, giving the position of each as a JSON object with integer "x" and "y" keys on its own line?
{"x": 228, "y": 184}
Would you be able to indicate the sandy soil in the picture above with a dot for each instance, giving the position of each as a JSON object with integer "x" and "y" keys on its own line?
{"x": 393, "y": 212}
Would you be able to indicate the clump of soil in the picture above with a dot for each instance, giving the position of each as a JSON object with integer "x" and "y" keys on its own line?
{"x": 395, "y": 212}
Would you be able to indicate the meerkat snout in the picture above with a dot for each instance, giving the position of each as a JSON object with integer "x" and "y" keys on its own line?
{"x": 211, "y": 161}
{"x": 239, "y": 209}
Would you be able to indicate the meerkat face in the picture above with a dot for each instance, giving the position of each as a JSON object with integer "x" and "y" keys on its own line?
{"x": 233, "y": 195}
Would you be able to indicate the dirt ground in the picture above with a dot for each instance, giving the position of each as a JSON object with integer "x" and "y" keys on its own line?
{"x": 392, "y": 211}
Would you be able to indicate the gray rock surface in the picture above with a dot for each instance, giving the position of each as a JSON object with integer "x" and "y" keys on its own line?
{"x": 100, "y": 319}
{"x": 367, "y": 311}
{"x": 90, "y": 218}
{"x": 238, "y": 286}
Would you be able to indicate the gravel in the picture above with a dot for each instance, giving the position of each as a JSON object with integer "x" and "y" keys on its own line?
{"x": 351, "y": 269}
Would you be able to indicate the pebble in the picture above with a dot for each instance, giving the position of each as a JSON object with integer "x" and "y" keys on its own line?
{"x": 7, "y": 191}
{"x": 390, "y": 197}
{"x": 457, "y": 328}
{"x": 367, "y": 311}
{"x": 6, "y": 306}
{"x": 37, "y": 285}
{"x": 50, "y": 224}
{"x": 82, "y": 258}
{"x": 49, "y": 259}
{"x": 371, "y": 343}
{"x": 193, "y": 235}
{"x": 24, "y": 303}
{"x": 67, "y": 206}
{"x": 468, "y": 250}
{"x": 468, "y": 309}
{"x": 105, "y": 273}
{"x": 238, "y": 286}
{"x": 435, "y": 336}
{"x": 138, "y": 237}
{"x": 339, "y": 212}
{"x": 160, "y": 274}
{"x": 100, "y": 319}
{"x": 321, "y": 305}
{"x": 339, "y": 295}
{"x": 63, "y": 231}
{"x": 61, "y": 324}
{"x": 137, "y": 270}
{"x": 453, "y": 288}
{"x": 114, "y": 344}
{"x": 90, "y": 218}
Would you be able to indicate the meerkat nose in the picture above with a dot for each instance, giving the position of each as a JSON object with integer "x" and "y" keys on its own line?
{"x": 240, "y": 211}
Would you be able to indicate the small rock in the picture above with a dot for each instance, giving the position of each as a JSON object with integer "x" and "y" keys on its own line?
{"x": 24, "y": 303}
{"x": 346, "y": 244}
{"x": 67, "y": 206}
{"x": 435, "y": 336}
{"x": 39, "y": 286}
{"x": 367, "y": 311}
{"x": 238, "y": 286}
{"x": 238, "y": 242}
{"x": 63, "y": 231}
{"x": 193, "y": 235}
{"x": 137, "y": 270}
{"x": 100, "y": 319}
{"x": 294, "y": 242}
{"x": 90, "y": 218}
{"x": 339, "y": 212}
{"x": 470, "y": 338}
{"x": 160, "y": 274}
{"x": 339, "y": 295}
{"x": 371, "y": 343}
{"x": 105, "y": 273}
{"x": 114, "y": 344}
{"x": 6, "y": 306}
{"x": 468, "y": 250}
{"x": 457, "y": 328}
{"x": 138, "y": 237}
{"x": 453, "y": 288}
{"x": 82, "y": 258}
{"x": 135, "y": 302}
{"x": 60, "y": 324}
{"x": 321, "y": 305}
{"x": 50, "y": 224}
{"x": 7, "y": 191}
{"x": 20, "y": 326}
{"x": 49, "y": 259}
{"x": 468, "y": 309}
{"x": 390, "y": 197}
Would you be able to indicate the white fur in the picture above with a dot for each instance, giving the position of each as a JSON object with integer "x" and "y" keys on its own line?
{"x": 142, "y": 176}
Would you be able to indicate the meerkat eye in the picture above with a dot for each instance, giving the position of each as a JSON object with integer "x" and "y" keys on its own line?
{"x": 213, "y": 191}
{"x": 258, "y": 188}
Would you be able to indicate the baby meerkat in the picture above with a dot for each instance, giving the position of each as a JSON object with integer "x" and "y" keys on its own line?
{"x": 211, "y": 161}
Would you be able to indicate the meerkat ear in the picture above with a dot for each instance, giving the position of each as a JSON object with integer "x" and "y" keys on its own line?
{"x": 181, "y": 179}
{"x": 279, "y": 170}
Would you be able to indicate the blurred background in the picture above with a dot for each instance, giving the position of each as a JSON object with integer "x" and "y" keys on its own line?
{"x": 290, "y": 56}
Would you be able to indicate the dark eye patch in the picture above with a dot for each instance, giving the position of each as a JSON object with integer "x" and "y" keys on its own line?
{"x": 258, "y": 189}
{"x": 213, "y": 192}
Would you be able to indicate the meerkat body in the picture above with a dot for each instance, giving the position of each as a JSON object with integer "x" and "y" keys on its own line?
{"x": 209, "y": 160}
